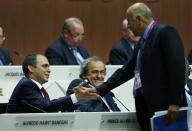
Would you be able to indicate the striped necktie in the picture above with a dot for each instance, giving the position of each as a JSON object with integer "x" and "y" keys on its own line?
{"x": 44, "y": 93}
{"x": 77, "y": 55}
{"x": 1, "y": 62}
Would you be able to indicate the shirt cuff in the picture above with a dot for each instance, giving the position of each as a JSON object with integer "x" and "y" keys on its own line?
{"x": 74, "y": 98}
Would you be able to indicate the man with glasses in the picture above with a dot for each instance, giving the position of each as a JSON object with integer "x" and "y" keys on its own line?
{"x": 66, "y": 50}
{"x": 122, "y": 51}
{"x": 5, "y": 58}
{"x": 92, "y": 74}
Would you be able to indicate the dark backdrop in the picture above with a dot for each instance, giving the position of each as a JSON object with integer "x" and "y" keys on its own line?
{"x": 31, "y": 25}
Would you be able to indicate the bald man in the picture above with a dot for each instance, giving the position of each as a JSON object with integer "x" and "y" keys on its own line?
{"x": 158, "y": 66}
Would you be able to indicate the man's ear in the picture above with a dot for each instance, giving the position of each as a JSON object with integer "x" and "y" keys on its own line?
{"x": 31, "y": 68}
{"x": 65, "y": 34}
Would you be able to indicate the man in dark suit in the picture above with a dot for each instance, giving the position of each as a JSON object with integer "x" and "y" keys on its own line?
{"x": 29, "y": 96}
{"x": 188, "y": 84}
{"x": 122, "y": 51}
{"x": 158, "y": 66}
{"x": 67, "y": 49}
{"x": 5, "y": 58}
{"x": 189, "y": 57}
{"x": 93, "y": 70}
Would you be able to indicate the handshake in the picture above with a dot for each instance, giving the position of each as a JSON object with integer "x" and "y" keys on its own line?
{"x": 82, "y": 92}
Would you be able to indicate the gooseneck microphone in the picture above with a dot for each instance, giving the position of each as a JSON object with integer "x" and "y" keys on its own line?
{"x": 18, "y": 53}
{"x": 25, "y": 103}
{"x": 89, "y": 85}
{"x": 112, "y": 94}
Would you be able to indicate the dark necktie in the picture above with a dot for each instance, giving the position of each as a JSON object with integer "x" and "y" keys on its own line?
{"x": 45, "y": 94}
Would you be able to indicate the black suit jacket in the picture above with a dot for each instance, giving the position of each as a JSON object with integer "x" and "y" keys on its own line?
{"x": 59, "y": 53}
{"x": 162, "y": 70}
{"x": 95, "y": 105}
{"x": 5, "y": 57}
{"x": 121, "y": 52}
{"x": 26, "y": 90}
{"x": 189, "y": 57}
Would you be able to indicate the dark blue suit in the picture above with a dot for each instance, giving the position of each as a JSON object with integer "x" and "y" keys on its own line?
{"x": 121, "y": 52}
{"x": 95, "y": 105}
{"x": 162, "y": 73}
{"x": 5, "y": 57}
{"x": 59, "y": 53}
{"x": 27, "y": 90}
{"x": 189, "y": 57}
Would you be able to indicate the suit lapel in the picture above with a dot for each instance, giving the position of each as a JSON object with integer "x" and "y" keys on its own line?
{"x": 2, "y": 57}
{"x": 71, "y": 60}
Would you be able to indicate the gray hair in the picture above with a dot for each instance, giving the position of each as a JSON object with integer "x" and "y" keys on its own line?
{"x": 125, "y": 24}
{"x": 85, "y": 64}
{"x": 69, "y": 23}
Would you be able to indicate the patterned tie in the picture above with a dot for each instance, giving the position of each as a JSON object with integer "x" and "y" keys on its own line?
{"x": 44, "y": 93}
{"x": 1, "y": 62}
{"x": 77, "y": 55}
{"x": 137, "y": 81}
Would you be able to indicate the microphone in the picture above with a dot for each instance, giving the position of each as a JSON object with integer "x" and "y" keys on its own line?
{"x": 112, "y": 94}
{"x": 18, "y": 53}
{"x": 25, "y": 103}
{"x": 86, "y": 83}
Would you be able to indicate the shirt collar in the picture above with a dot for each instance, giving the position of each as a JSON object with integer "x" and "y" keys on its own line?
{"x": 37, "y": 83}
{"x": 146, "y": 32}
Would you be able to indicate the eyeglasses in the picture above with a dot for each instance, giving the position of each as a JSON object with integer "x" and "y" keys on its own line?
{"x": 2, "y": 37}
{"x": 75, "y": 35}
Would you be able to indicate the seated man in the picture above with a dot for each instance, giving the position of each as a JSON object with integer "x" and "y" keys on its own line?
{"x": 188, "y": 86}
{"x": 122, "y": 51}
{"x": 29, "y": 96}
{"x": 67, "y": 49}
{"x": 93, "y": 70}
{"x": 5, "y": 58}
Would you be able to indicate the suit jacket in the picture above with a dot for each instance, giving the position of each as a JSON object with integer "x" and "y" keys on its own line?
{"x": 26, "y": 90}
{"x": 5, "y": 57}
{"x": 189, "y": 58}
{"x": 121, "y": 52}
{"x": 162, "y": 70}
{"x": 188, "y": 95}
{"x": 95, "y": 105}
{"x": 59, "y": 53}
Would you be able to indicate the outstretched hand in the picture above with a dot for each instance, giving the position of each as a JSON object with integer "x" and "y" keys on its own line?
{"x": 85, "y": 93}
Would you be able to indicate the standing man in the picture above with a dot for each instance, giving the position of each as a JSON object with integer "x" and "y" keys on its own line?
{"x": 29, "y": 96}
{"x": 67, "y": 49}
{"x": 93, "y": 70}
{"x": 5, "y": 58}
{"x": 158, "y": 66}
{"x": 122, "y": 51}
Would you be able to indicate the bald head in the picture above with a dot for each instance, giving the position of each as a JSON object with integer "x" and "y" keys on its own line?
{"x": 139, "y": 16}
{"x": 139, "y": 9}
